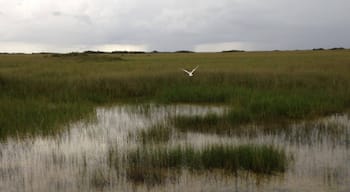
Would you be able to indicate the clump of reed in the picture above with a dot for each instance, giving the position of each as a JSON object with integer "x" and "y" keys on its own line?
{"x": 143, "y": 163}
{"x": 257, "y": 106}
{"x": 100, "y": 179}
{"x": 154, "y": 135}
{"x": 148, "y": 176}
{"x": 210, "y": 123}
{"x": 193, "y": 92}
{"x": 23, "y": 117}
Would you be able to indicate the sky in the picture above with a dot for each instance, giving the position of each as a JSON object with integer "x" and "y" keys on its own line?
{"x": 170, "y": 25}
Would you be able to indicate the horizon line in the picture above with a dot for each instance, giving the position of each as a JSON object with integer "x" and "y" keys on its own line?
{"x": 177, "y": 51}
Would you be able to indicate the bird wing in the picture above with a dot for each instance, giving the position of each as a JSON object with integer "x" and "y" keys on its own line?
{"x": 194, "y": 69}
{"x": 186, "y": 71}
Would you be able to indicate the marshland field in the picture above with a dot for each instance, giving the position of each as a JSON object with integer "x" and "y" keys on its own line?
{"x": 246, "y": 121}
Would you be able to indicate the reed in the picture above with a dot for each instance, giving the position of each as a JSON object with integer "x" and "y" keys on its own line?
{"x": 259, "y": 106}
{"x": 28, "y": 117}
{"x": 258, "y": 159}
{"x": 155, "y": 165}
{"x": 258, "y": 86}
{"x": 154, "y": 135}
{"x": 211, "y": 123}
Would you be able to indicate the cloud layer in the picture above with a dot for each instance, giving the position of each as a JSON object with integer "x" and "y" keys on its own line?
{"x": 168, "y": 25}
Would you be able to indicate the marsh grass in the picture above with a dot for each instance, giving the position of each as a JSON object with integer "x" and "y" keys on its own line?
{"x": 145, "y": 164}
{"x": 307, "y": 132}
{"x": 86, "y": 57}
{"x": 148, "y": 176}
{"x": 28, "y": 117}
{"x": 258, "y": 106}
{"x": 211, "y": 123}
{"x": 100, "y": 179}
{"x": 155, "y": 135}
{"x": 258, "y": 86}
{"x": 194, "y": 93}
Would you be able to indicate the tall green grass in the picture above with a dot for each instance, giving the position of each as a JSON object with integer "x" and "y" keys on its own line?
{"x": 154, "y": 135}
{"x": 265, "y": 106}
{"x": 258, "y": 86}
{"x": 23, "y": 117}
{"x": 145, "y": 164}
{"x": 211, "y": 123}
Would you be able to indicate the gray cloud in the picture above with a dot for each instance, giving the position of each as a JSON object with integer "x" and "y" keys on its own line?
{"x": 56, "y": 13}
{"x": 83, "y": 18}
{"x": 178, "y": 24}
{"x": 80, "y": 17}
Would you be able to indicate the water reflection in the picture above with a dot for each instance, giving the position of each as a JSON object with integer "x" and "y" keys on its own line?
{"x": 77, "y": 160}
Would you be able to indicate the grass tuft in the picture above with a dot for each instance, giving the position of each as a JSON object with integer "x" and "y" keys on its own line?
{"x": 154, "y": 135}
{"x": 153, "y": 166}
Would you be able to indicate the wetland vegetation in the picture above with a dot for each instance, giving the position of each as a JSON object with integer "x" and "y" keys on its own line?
{"x": 143, "y": 162}
{"x": 257, "y": 86}
{"x": 248, "y": 112}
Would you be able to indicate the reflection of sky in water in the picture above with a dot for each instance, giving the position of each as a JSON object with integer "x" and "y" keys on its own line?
{"x": 70, "y": 161}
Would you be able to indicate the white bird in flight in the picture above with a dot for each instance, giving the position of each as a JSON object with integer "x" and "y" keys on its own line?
{"x": 190, "y": 73}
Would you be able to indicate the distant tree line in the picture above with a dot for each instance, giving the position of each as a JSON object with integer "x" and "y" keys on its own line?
{"x": 333, "y": 49}
{"x": 184, "y": 51}
{"x": 232, "y": 51}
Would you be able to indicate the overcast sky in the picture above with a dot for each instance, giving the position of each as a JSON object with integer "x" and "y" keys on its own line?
{"x": 169, "y": 25}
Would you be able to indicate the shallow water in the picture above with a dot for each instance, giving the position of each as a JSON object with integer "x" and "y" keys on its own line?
{"x": 77, "y": 160}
